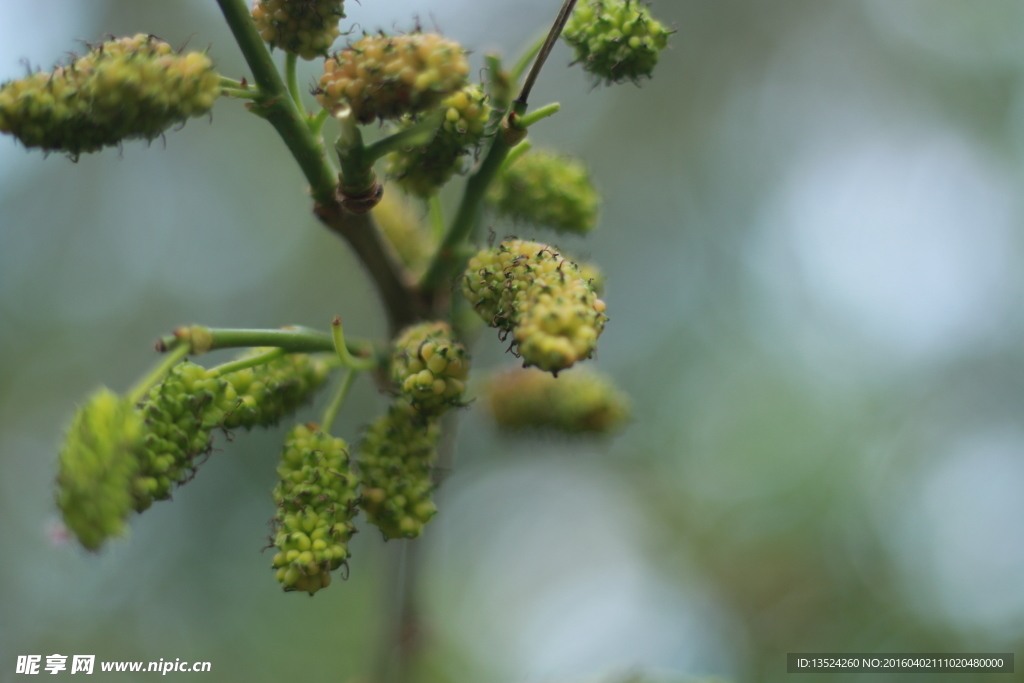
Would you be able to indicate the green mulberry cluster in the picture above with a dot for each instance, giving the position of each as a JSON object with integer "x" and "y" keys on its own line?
{"x": 316, "y": 500}
{"x": 530, "y": 290}
{"x": 388, "y": 77}
{"x": 423, "y": 170}
{"x": 97, "y": 467}
{"x": 430, "y": 367}
{"x": 575, "y": 402}
{"x": 306, "y": 28}
{"x": 122, "y": 89}
{"x": 395, "y": 465}
{"x": 179, "y": 416}
{"x": 547, "y": 190}
{"x": 268, "y": 392}
{"x": 616, "y": 40}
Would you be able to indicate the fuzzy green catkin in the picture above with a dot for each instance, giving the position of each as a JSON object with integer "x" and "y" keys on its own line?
{"x": 615, "y": 40}
{"x": 575, "y": 402}
{"x": 547, "y": 190}
{"x": 126, "y": 88}
{"x": 388, "y": 77}
{"x": 266, "y": 393}
{"x": 316, "y": 501}
{"x": 530, "y": 290}
{"x": 97, "y": 467}
{"x": 423, "y": 170}
{"x": 306, "y": 28}
{"x": 430, "y": 367}
{"x": 179, "y": 416}
{"x": 396, "y": 458}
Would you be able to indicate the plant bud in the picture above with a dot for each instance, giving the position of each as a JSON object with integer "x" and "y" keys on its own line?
{"x": 122, "y": 89}
{"x": 396, "y": 457}
{"x": 316, "y": 501}
{"x": 306, "y": 28}
{"x": 615, "y": 40}
{"x": 97, "y": 466}
{"x": 430, "y": 367}
{"x": 530, "y": 290}
{"x": 575, "y": 402}
{"x": 547, "y": 190}
{"x": 388, "y": 77}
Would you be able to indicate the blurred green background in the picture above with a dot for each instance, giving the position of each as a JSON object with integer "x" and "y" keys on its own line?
{"x": 812, "y": 235}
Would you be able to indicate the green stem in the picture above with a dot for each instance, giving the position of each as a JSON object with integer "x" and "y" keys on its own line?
{"x": 226, "y": 82}
{"x": 416, "y": 135}
{"x": 247, "y": 362}
{"x": 198, "y": 339}
{"x": 174, "y": 355}
{"x": 436, "y": 216}
{"x": 276, "y": 105}
{"x": 347, "y": 359}
{"x": 356, "y": 174}
{"x": 516, "y": 152}
{"x": 316, "y": 122}
{"x": 339, "y": 399}
{"x": 291, "y": 61}
{"x": 533, "y": 117}
{"x": 239, "y": 93}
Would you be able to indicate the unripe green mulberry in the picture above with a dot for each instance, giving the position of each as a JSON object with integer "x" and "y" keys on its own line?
{"x": 97, "y": 466}
{"x": 179, "y": 415}
{"x": 575, "y": 402}
{"x": 316, "y": 500}
{"x": 402, "y": 225}
{"x": 268, "y": 392}
{"x": 423, "y": 170}
{"x": 395, "y": 465}
{"x": 547, "y": 190}
{"x": 616, "y": 40}
{"x": 303, "y": 27}
{"x": 430, "y": 367}
{"x": 123, "y": 89}
{"x": 527, "y": 288}
{"x": 388, "y": 77}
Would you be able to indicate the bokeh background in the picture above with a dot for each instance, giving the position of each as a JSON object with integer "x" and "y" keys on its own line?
{"x": 811, "y": 229}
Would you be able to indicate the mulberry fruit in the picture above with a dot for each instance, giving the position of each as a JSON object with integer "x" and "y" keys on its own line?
{"x": 430, "y": 367}
{"x": 615, "y": 40}
{"x": 269, "y": 392}
{"x": 388, "y": 77}
{"x": 97, "y": 467}
{"x": 575, "y": 402}
{"x": 316, "y": 500}
{"x": 423, "y": 170}
{"x": 395, "y": 466}
{"x": 547, "y": 190}
{"x": 306, "y": 28}
{"x": 122, "y": 89}
{"x": 530, "y": 290}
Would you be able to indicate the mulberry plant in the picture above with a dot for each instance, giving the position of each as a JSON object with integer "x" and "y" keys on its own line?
{"x": 407, "y": 107}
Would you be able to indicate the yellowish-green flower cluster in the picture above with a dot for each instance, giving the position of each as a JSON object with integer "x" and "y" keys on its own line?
{"x": 306, "y": 28}
{"x": 388, "y": 77}
{"x": 97, "y": 467}
{"x": 616, "y": 40}
{"x": 179, "y": 416}
{"x": 395, "y": 465}
{"x": 268, "y": 392}
{"x": 404, "y": 228}
{"x": 316, "y": 500}
{"x": 575, "y": 402}
{"x": 530, "y": 290}
{"x": 547, "y": 190}
{"x": 423, "y": 170}
{"x": 122, "y": 89}
{"x": 430, "y": 367}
